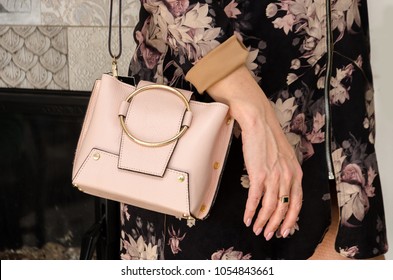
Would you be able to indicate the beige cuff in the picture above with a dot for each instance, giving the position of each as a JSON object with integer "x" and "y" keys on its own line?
{"x": 218, "y": 64}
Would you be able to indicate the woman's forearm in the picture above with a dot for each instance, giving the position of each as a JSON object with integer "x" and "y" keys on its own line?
{"x": 270, "y": 161}
{"x": 247, "y": 102}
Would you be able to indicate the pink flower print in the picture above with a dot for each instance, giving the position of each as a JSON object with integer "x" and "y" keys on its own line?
{"x": 369, "y": 189}
{"x": 150, "y": 56}
{"x": 298, "y": 124}
{"x": 359, "y": 61}
{"x": 291, "y": 78}
{"x": 285, "y": 4}
{"x": 295, "y": 64}
{"x": 353, "y": 202}
{"x": 151, "y": 235}
{"x": 306, "y": 148}
{"x": 135, "y": 234}
{"x": 371, "y": 174}
{"x": 177, "y": 7}
{"x": 150, "y": 227}
{"x": 316, "y": 136}
{"x": 319, "y": 122}
{"x": 132, "y": 252}
{"x": 174, "y": 240}
{"x": 353, "y": 174}
{"x": 271, "y": 10}
{"x": 230, "y": 254}
{"x": 124, "y": 213}
{"x": 231, "y": 11}
{"x": 285, "y": 23}
{"x": 349, "y": 252}
{"x": 339, "y": 92}
{"x": 310, "y": 43}
{"x": 346, "y": 72}
{"x": 245, "y": 181}
{"x": 139, "y": 222}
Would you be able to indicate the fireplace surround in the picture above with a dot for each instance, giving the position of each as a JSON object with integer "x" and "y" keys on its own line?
{"x": 39, "y": 130}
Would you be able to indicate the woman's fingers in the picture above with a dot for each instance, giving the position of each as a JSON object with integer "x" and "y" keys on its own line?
{"x": 275, "y": 202}
{"x": 260, "y": 192}
{"x": 254, "y": 199}
{"x": 269, "y": 206}
{"x": 294, "y": 207}
{"x": 280, "y": 195}
{"x": 287, "y": 177}
{"x": 276, "y": 219}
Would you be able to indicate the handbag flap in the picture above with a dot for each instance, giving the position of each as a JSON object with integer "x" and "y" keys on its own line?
{"x": 154, "y": 115}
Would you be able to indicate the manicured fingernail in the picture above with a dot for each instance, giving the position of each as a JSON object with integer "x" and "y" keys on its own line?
{"x": 258, "y": 231}
{"x": 286, "y": 233}
{"x": 269, "y": 236}
{"x": 248, "y": 223}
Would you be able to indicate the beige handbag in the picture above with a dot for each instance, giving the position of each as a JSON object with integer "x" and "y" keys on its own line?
{"x": 153, "y": 148}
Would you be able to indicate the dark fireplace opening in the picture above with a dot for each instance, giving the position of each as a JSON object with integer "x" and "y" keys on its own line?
{"x": 41, "y": 214}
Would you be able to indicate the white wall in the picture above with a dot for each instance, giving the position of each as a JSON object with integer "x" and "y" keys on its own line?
{"x": 381, "y": 22}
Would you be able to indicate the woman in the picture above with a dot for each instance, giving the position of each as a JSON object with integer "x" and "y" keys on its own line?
{"x": 297, "y": 78}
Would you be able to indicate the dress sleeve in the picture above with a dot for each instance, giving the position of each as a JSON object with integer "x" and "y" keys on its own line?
{"x": 217, "y": 64}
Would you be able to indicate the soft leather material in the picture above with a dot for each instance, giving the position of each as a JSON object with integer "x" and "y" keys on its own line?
{"x": 179, "y": 179}
{"x": 152, "y": 116}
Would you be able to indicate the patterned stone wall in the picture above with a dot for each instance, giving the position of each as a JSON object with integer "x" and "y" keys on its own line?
{"x": 54, "y": 44}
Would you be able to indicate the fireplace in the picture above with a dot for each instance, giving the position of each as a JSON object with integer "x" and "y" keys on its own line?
{"x": 39, "y": 207}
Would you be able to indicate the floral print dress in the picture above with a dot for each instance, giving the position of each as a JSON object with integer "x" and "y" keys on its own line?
{"x": 323, "y": 98}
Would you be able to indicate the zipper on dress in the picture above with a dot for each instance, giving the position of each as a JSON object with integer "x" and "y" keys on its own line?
{"x": 329, "y": 64}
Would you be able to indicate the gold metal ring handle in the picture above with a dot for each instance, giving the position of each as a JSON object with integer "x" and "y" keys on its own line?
{"x": 165, "y": 142}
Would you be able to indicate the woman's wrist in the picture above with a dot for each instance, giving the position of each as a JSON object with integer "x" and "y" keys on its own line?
{"x": 246, "y": 100}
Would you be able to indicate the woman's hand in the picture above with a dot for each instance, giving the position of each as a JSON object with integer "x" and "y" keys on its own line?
{"x": 272, "y": 166}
